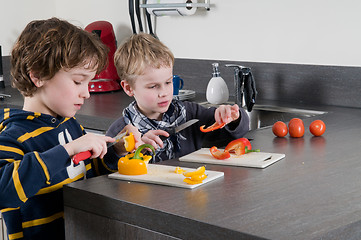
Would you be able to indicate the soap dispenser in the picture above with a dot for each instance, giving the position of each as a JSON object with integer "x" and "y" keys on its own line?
{"x": 217, "y": 90}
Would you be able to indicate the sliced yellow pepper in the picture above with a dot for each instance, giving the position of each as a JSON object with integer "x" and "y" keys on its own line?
{"x": 179, "y": 170}
{"x": 195, "y": 177}
{"x": 199, "y": 177}
{"x": 189, "y": 181}
{"x": 198, "y": 171}
{"x": 129, "y": 142}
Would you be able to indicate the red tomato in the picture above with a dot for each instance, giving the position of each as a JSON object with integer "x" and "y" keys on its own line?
{"x": 317, "y": 128}
{"x": 280, "y": 129}
{"x": 296, "y": 128}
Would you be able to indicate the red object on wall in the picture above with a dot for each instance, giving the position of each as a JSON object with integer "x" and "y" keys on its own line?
{"x": 108, "y": 79}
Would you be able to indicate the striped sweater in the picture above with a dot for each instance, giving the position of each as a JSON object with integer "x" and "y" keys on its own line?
{"x": 34, "y": 166}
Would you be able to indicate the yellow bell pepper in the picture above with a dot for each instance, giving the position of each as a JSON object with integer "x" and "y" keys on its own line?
{"x": 135, "y": 163}
{"x": 129, "y": 142}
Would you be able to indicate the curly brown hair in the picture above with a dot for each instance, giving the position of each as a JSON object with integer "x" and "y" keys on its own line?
{"x": 139, "y": 52}
{"x": 47, "y": 46}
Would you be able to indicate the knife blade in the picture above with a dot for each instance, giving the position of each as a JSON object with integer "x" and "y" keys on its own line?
{"x": 174, "y": 130}
{"x": 117, "y": 139}
{"x": 87, "y": 154}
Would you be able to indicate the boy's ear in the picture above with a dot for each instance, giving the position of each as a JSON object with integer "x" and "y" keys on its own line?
{"x": 127, "y": 88}
{"x": 36, "y": 79}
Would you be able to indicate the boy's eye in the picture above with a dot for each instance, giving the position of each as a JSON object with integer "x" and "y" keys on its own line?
{"x": 77, "y": 82}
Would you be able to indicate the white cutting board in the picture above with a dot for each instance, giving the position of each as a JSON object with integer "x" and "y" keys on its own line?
{"x": 252, "y": 159}
{"x": 165, "y": 175}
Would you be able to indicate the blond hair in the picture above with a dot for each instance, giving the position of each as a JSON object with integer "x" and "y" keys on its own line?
{"x": 47, "y": 46}
{"x": 139, "y": 52}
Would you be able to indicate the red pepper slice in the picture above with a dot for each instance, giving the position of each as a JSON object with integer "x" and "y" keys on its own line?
{"x": 219, "y": 154}
{"x": 213, "y": 127}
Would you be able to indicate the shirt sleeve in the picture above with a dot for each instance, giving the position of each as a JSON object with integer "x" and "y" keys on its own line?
{"x": 22, "y": 174}
{"x": 116, "y": 127}
{"x": 234, "y": 130}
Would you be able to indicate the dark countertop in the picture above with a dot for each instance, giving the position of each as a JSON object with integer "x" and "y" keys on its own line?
{"x": 314, "y": 193}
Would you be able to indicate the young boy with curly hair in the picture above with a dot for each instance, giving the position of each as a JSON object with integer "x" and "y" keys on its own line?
{"x": 52, "y": 64}
{"x": 145, "y": 68}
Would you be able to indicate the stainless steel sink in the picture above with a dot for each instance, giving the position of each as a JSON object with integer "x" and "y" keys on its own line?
{"x": 266, "y": 115}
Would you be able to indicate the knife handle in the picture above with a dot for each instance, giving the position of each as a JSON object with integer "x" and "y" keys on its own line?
{"x": 81, "y": 157}
{"x": 169, "y": 130}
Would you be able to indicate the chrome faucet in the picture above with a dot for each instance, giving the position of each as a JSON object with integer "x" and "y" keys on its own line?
{"x": 245, "y": 86}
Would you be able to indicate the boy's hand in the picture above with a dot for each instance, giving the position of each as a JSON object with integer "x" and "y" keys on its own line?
{"x": 152, "y": 138}
{"x": 226, "y": 113}
{"x": 119, "y": 147}
{"x": 96, "y": 144}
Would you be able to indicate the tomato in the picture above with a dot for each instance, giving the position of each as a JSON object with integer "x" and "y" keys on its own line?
{"x": 296, "y": 128}
{"x": 317, "y": 128}
{"x": 280, "y": 129}
{"x": 219, "y": 154}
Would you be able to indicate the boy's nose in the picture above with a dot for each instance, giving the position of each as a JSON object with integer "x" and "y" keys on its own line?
{"x": 85, "y": 92}
{"x": 163, "y": 91}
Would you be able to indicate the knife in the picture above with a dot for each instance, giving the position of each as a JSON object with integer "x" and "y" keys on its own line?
{"x": 87, "y": 154}
{"x": 174, "y": 130}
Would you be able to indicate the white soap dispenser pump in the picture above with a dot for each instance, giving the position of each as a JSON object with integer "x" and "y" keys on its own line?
{"x": 217, "y": 90}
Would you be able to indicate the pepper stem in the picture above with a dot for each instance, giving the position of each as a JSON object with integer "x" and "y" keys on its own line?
{"x": 140, "y": 148}
{"x": 248, "y": 151}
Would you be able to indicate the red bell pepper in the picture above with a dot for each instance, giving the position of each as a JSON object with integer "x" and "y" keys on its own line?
{"x": 237, "y": 147}
{"x": 219, "y": 154}
{"x": 233, "y": 143}
{"x": 213, "y": 127}
{"x": 240, "y": 146}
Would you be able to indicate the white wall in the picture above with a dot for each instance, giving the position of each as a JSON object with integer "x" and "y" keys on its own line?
{"x": 324, "y": 32}
{"x": 14, "y": 15}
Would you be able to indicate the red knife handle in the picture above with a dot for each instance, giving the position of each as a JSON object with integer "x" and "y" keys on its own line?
{"x": 81, "y": 157}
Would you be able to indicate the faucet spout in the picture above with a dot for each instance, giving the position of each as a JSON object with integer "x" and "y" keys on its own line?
{"x": 244, "y": 85}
